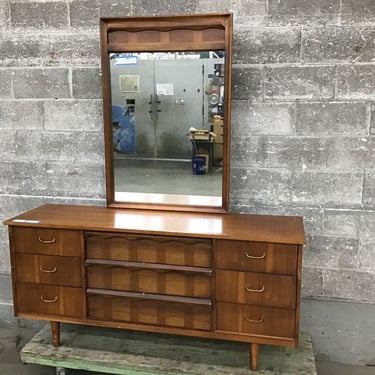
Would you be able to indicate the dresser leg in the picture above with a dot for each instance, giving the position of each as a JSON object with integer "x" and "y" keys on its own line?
{"x": 55, "y": 329}
{"x": 254, "y": 350}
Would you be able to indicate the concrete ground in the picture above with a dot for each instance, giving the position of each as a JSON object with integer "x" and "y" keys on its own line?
{"x": 13, "y": 337}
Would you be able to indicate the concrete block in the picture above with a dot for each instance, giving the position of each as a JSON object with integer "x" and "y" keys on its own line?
{"x": 39, "y": 15}
{"x": 143, "y": 8}
{"x": 41, "y": 83}
{"x": 302, "y": 82}
{"x": 261, "y": 118}
{"x": 73, "y": 115}
{"x": 358, "y": 11}
{"x": 356, "y": 81}
{"x": 87, "y": 83}
{"x": 4, "y": 15}
{"x": 261, "y": 185}
{"x": 84, "y": 13}
{"x": 4, "y": 267}
{"x": 20, "y": 113}
{"x": 341, "y": 222}
{"x": 367, "y": 225}
{"x": 369, "y": 188}
{"x": 338, "y": 44}
{"x": 325, "y": 187}
{"x": 247, "y": 12}
{"x": 246, "y": 83}
{"x": 372, "y": 120}
{"x": 208, "y": 6}
{"x": 6, "y": 90}
{"x": 366, "y": 251}
{"x": 349, "y": 118}
{"x": 349, "y": 285}
{"x": 6, "y": 287}
{"x": 312, "y": 282}
{"x": 79, "y": 179}
{"x": 76, "y": 49}
{"x": 114, "y": 8}
{"x": 266, "y": 45}
{"x": 331, "y": 252}
{"x": 302, "y": 12}
{"x": 21, "y": 50}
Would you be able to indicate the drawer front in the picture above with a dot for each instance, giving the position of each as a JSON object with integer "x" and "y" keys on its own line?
{"x": 161, "y": 313}
{"x": 49, "y": 269}
{"x": 47, "y": 241}
{"x": 246, "y": 319}
{"x": 151, "y": 249}
{"x": 257, "y": 257}
{"x": 149, "y": 281}
{"x": 256, "y": 288}
{"x": 49, "y": 299}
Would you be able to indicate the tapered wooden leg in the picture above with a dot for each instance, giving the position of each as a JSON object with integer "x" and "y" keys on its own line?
{"x": 254, "y": 350}
{"x": 55, "y": 329}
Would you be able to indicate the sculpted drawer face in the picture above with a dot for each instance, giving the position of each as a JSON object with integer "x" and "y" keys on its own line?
{"x": 159, "y": 281}
{"x": 257, "y": 256}
{"x": 49, "y": 299}
{"x": 138, "y": 310}
{"x": 47, "y": 241}
{"x": 150, "y": 249}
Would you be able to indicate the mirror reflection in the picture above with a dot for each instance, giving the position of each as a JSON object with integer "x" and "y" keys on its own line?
{"x": 167, "y": 118}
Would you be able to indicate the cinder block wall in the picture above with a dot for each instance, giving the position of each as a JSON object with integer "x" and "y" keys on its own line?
{"x": 302, "y": 131}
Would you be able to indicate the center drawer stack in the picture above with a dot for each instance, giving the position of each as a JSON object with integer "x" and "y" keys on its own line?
{"x": 157, "y": 280}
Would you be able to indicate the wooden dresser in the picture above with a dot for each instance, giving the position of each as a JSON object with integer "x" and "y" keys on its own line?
{"x": 224, "y": 276}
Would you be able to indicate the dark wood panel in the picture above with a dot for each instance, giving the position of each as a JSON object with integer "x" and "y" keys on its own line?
{"x": 47, "y": 241}
{"x": 255, "y": 320}
{"x": 49, "y": 269}
{"x": 49, "y": 299}
{"x": 257, "y": 257}
{"x": 149, "y": 281}
{"x": 149, "y": 249}
{"x": 256, "y": 289}
{"x": 161, "y": 313}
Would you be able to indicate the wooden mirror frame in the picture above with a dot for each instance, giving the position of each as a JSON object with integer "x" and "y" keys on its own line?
{"x": 202, "y": 32}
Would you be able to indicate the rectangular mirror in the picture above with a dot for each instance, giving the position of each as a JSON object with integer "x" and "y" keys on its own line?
{"x": 166, "y": 100}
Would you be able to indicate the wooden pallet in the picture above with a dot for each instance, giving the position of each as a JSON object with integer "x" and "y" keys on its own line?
{"x": 116, "y": 351}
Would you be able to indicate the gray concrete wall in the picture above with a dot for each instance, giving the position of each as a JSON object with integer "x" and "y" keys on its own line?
{"x": 303, "y": 123}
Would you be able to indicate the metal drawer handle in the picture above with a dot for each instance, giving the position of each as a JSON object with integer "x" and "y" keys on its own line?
{"x": 254, "y": 290}
{"x": 254, "y": 257}
{"x": 48, "y": 300}
{"x": 54, "y": 269}
{"x": 47, "y": 241}
{"x": 261, "y": 320}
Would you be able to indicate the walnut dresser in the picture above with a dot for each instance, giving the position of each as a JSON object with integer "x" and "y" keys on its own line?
{"x": 223, "y": 276}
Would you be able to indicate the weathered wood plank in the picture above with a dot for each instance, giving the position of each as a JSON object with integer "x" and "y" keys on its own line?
{"x": 138, "y": 353}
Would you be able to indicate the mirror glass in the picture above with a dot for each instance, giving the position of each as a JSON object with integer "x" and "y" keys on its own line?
{"x": 167, "y": 126}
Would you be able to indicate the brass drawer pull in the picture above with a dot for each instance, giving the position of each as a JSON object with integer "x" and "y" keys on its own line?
{"x": 47, "y": 241}
{"x": 254, "y": 257}
{"x": 54, "y": 269}
{"x": 261, "y": 320}
{"x": 48, "y": 300}
{"x": 254, "y": 290}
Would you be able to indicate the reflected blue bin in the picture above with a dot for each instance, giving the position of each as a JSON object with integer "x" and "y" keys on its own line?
{"x": 199, "y": 164}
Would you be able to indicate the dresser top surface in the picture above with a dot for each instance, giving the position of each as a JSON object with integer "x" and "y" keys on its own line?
{"x": 263, "y": 228}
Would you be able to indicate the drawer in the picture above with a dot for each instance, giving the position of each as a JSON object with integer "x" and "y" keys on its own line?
{"x": 260, "y": 289}
{"x": 47, "y": 241}
{"x": 49, "y": 299}
{"x": 253, "y": 320}
{"x": 152, "y": 249}
{"x": 257, "y": 256}
{"x": 49, "y": 269}
{"x": 159, "y": 280}
{"x": 145, "y": 311}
